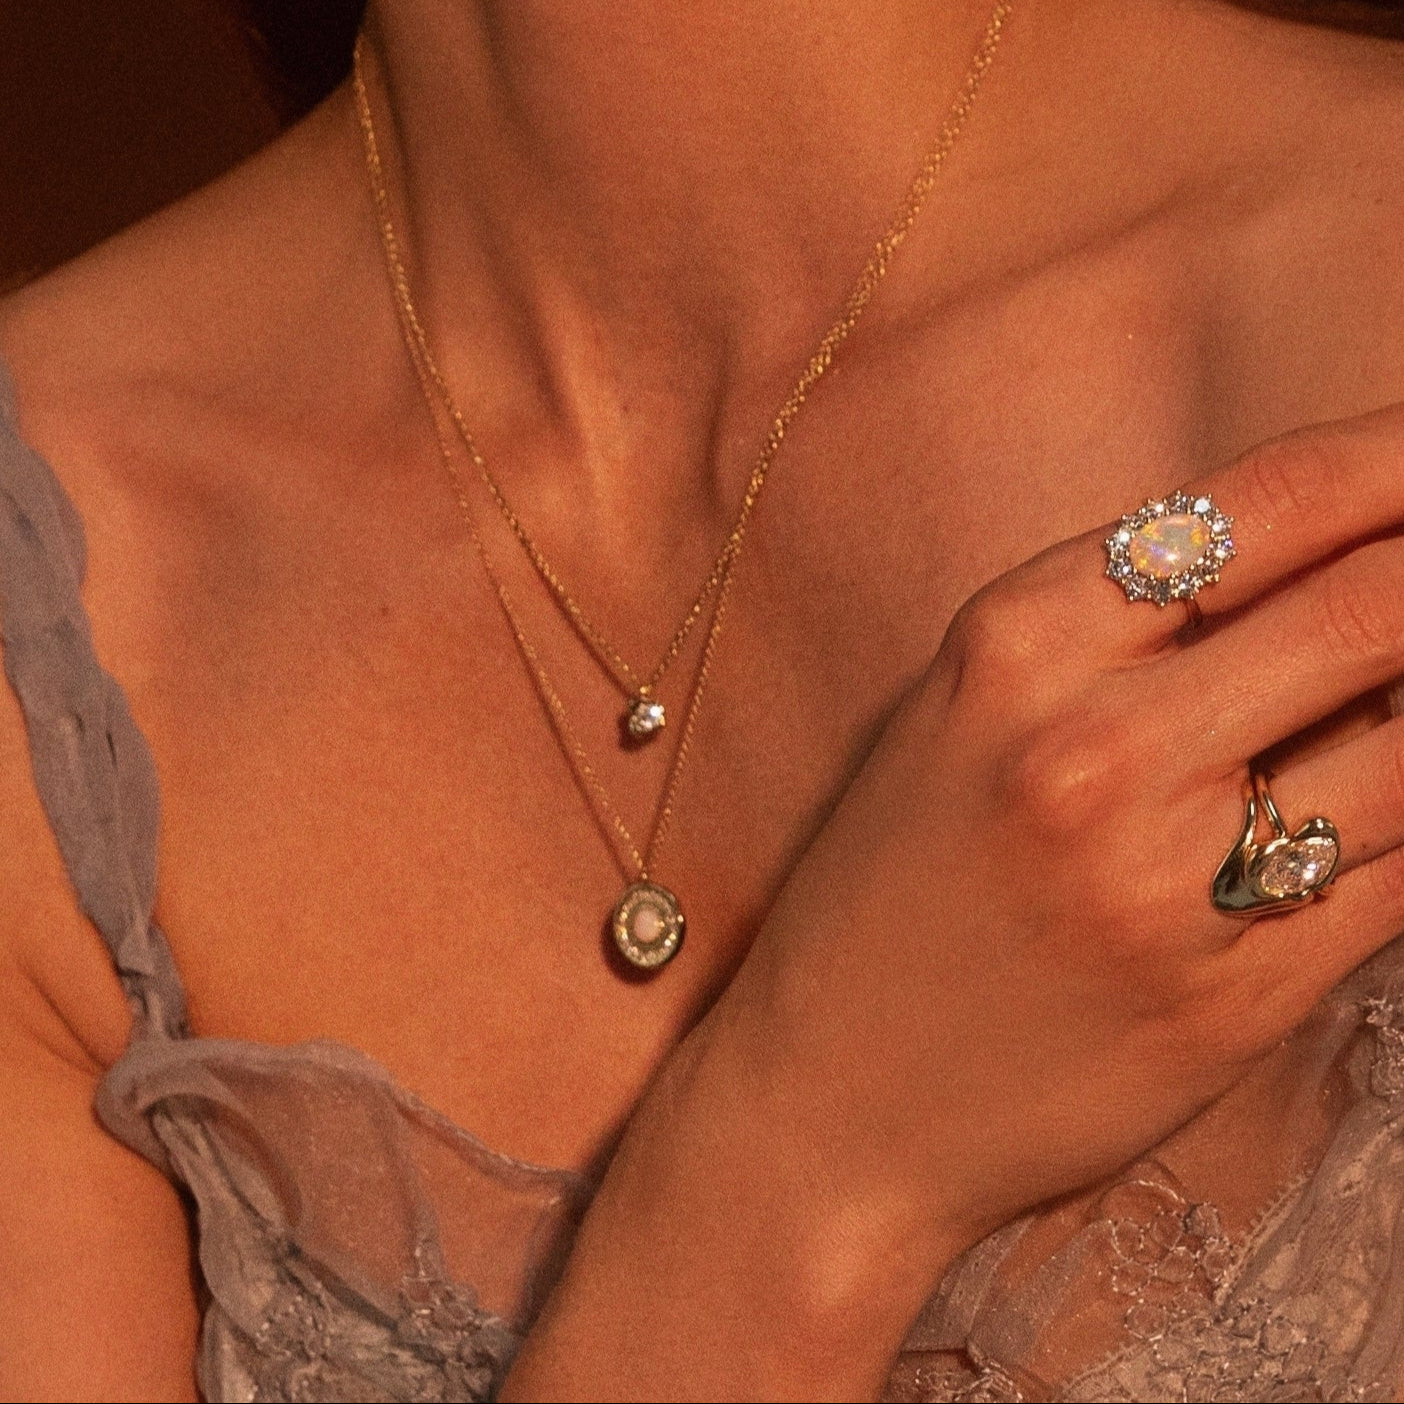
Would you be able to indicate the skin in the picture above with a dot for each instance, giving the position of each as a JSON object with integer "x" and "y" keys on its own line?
{"x": 1191, "y": 250}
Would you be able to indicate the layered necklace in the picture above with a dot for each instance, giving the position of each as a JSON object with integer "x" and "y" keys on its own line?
{"x": 647, "y": 922}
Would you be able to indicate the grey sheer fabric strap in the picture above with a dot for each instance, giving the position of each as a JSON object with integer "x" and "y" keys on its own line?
{"x": 92, "y": 766}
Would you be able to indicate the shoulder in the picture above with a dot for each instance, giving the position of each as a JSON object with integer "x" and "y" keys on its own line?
{"x": 205, "y": 305}
{"x": 153, "y": 373}
{"x": 1227, "y": 181}
{"x": 58, "y": 992}
{"x": 172, "y": 375}
{"x": 1293, "y": 108}
{"x": 1322, "y": 40}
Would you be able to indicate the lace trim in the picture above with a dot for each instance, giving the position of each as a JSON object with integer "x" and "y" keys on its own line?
{"x": 439, "y": 1346}
{"x": 1189, "y": 1337}
{"x": 1191, "y": 1340}
{"x": 1386, "y": 1017}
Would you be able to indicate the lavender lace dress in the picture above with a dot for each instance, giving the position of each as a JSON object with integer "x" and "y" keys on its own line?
{"x": 355, "y": 1245}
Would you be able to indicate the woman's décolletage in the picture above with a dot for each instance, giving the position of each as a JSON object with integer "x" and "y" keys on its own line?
{"x": 1166, "y": 234}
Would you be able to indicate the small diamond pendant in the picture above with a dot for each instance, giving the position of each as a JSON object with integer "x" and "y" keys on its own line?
{"x": 644, "y": 719}
{"x": 648, "y": 925}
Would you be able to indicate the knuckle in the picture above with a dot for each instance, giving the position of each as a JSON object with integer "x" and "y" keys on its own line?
{"x": 1060, "y": 781}
{"x": 1389, "y": 796}
{"x": 1298, "y": 475}
{"x": 1355, "y": 618}
{"x": 1385, "y": 876}
{"x": 993, "y": 639}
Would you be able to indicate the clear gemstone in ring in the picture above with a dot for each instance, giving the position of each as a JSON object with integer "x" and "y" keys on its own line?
{"x": 1292, "y": 867}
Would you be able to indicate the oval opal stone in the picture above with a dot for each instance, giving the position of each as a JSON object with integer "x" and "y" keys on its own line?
{"x": 648, "y": 925}
{"x": 1298, "y": 866}
{"x": 1169, "y": 545}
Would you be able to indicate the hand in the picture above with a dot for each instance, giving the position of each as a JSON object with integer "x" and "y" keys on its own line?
{"x": 997, "y": 975}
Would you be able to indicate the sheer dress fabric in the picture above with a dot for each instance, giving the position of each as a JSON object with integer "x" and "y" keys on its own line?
{"x": 355, "y": 1245}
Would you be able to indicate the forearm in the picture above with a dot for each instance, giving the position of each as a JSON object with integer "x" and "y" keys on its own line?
{"x": 722, "y": 1258}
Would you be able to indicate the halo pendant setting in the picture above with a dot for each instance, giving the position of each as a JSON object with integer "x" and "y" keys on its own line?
{"x": 1170, "y": 549}
{"x": 647, "y": 925}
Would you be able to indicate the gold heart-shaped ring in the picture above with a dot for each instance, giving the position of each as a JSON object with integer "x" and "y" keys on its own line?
{"x": 1287, "y": 871}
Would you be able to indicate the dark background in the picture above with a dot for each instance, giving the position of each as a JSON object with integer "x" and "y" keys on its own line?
{"x": 111, "y": 108}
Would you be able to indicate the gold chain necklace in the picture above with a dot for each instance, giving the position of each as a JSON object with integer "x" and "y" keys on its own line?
{"x": 645, "y": 715}
{"x": 647, "y": 922}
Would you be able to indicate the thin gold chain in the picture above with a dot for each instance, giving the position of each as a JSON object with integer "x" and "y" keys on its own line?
{"x": 624, "y": 676}
{"x": 436, "y": 395}
{"x": 613, "y": 825}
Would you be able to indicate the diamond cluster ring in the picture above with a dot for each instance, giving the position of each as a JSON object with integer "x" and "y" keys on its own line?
{"x": 1170, "y": 549}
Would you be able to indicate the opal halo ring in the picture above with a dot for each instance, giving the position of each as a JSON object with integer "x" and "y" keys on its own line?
{"x": 1287, "y": 871}
{"x": 1170, "y": 549}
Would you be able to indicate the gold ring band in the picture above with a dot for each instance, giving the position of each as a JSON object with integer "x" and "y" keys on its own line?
{"x": 1287, "y": 871}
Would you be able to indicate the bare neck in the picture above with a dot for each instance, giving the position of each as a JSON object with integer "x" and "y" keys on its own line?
{"x": 648, "y": 186}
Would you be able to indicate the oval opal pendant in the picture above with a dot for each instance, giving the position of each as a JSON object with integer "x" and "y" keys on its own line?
{"x": 648, "y": 925}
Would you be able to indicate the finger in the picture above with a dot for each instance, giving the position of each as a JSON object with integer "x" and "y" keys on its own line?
{"x": 1289, "y": 961}
{"x": 1358, "y": 786}
{"x": 1293, "y": 502}
{"x": 1290, "y": 660}
{"x": 1301, "y": 498}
